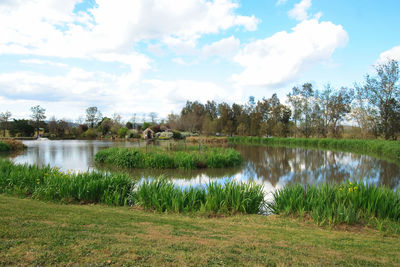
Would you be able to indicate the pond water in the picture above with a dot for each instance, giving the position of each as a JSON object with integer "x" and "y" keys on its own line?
{"x": 272, "y": 166}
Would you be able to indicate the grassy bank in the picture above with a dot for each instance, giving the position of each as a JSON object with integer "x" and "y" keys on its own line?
{"x": 37, "y": 233}
{"x": 11, "y": 145}
{"x": 386, "y": 149}
{"x": 351, "y": 203}
{"x": 161, "y": 159}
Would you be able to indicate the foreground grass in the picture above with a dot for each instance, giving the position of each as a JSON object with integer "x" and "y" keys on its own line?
{"x": 389, "y": 150}
{"x": 349, "y": 203}
{"x": 161, "y": 159}
{"x": 37, "y": 233}
{"x": 119, "y": 189}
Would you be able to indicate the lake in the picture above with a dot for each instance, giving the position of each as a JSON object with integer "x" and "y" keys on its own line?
{"x": 272, "y": 166}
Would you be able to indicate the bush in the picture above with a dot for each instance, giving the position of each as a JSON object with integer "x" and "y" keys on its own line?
{"x": 4, "y": 147}
{"x": 91, "y": 133}
{"x": 122, "y": 132}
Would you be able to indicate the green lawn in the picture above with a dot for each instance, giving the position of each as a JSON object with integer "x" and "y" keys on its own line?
{"x": 38, "y": 233}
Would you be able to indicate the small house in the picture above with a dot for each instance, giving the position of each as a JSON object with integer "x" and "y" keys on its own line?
{"x": 148, "y": 134}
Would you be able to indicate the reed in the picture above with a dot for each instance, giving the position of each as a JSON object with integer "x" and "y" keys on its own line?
{"x": 160, "y": 159}
{"x": 348, "y": 203}
{"x": 207, "y": 140}
{"x": 227, "y": 198}
{"x": 51, "y": 184}
{"x": 387, "y": 149}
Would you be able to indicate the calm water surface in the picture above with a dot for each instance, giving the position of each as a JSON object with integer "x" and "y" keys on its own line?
{"x": 272, "y": 166}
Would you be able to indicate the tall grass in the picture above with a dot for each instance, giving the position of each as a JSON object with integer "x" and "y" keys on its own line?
{"x": 160, "y": 159}
{"x": 334, "y": 204}
{"x": 229, "y": 198}
{"x": 387, "y": 149}
{"x": 50, "y": 184}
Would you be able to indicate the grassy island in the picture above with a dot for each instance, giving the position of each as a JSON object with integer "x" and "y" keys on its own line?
{"x": 158, "y": 158}
{"x": 11, "y": 145}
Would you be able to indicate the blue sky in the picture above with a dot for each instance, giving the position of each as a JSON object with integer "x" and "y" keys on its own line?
{"x": 145, "y": 56}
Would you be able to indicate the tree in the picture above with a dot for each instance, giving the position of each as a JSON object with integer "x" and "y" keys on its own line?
{"x": 153, "y": 116}
{"x": 21, "y": 127}
{"x": 383, "y": 94}
{"x": 93, "y": 116}
{"x": 4, "y": 117}
{"x": 37, "y": 116}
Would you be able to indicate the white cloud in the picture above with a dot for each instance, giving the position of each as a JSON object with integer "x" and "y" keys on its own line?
{"x": 281, "y": 2}
{"x": 393, "y": 53}
{"x": 43, "y": 62}
{"x": 282, "y": 57}
{"x": 299, "y": 12}
{"x": 226, "y": 48}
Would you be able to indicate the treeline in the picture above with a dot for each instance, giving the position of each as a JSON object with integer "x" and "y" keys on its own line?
{"x": 374, "y": 108}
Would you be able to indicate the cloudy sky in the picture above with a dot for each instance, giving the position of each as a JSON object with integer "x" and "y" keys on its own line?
{"x": 142, "y": 56}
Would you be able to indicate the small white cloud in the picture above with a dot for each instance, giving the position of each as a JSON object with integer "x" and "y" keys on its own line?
{"x": 299, "y": 12}
{"x": 43, "y": 62}
{"x": 225, "y": 48}
{"x": 180, "y": 61}
{"x": 281, "y": 2}
{"x": 391, "y": 54}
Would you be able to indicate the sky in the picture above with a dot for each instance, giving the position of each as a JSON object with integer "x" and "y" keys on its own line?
{"x": 140, "y": 56}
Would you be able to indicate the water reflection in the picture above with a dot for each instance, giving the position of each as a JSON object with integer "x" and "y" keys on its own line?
{"x": 279, "y": 165}
{"x": 274, "y": 167}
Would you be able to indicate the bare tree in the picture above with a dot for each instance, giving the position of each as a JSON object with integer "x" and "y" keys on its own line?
{"x": 153, "y": 117}
{"x": 38, "y": 116}
{"x": 4, "y": 117}
{"x": 93, "y": 116}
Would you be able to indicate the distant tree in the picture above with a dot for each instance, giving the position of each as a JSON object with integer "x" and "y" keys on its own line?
{"x": 335, "y": 105}
{"x": 4, "y": 117}
{"x": 22, "y": 128}
{"x": 105, "y": 126}
{"x": 38, "y": 116}
{"x": 153, "y": 116}
{"x": 93, "y": 116}
{"x": 382, "y": 93}
{"x": 129, "y": 125}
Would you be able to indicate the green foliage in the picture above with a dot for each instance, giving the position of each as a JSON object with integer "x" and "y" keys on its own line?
{"x": 122, "y": 132}
{"x": 22, "y": 128}
{"x": 4, "y": 147}
{"x": 229, "y": 198}
{"x": 380, "y": 148}
{"x": 91, "y": 133}
{"x": 51, "y": 184}
{"x": 145, "y": 125}
{"x": 334, "y": 204}
{"x": 158, "y": 159}
{"x": 176, "y": 135}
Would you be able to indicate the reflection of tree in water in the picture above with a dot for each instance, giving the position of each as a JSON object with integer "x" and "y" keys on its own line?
{"x": 172, "y": 173}
{"x": 298, "y": 165}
